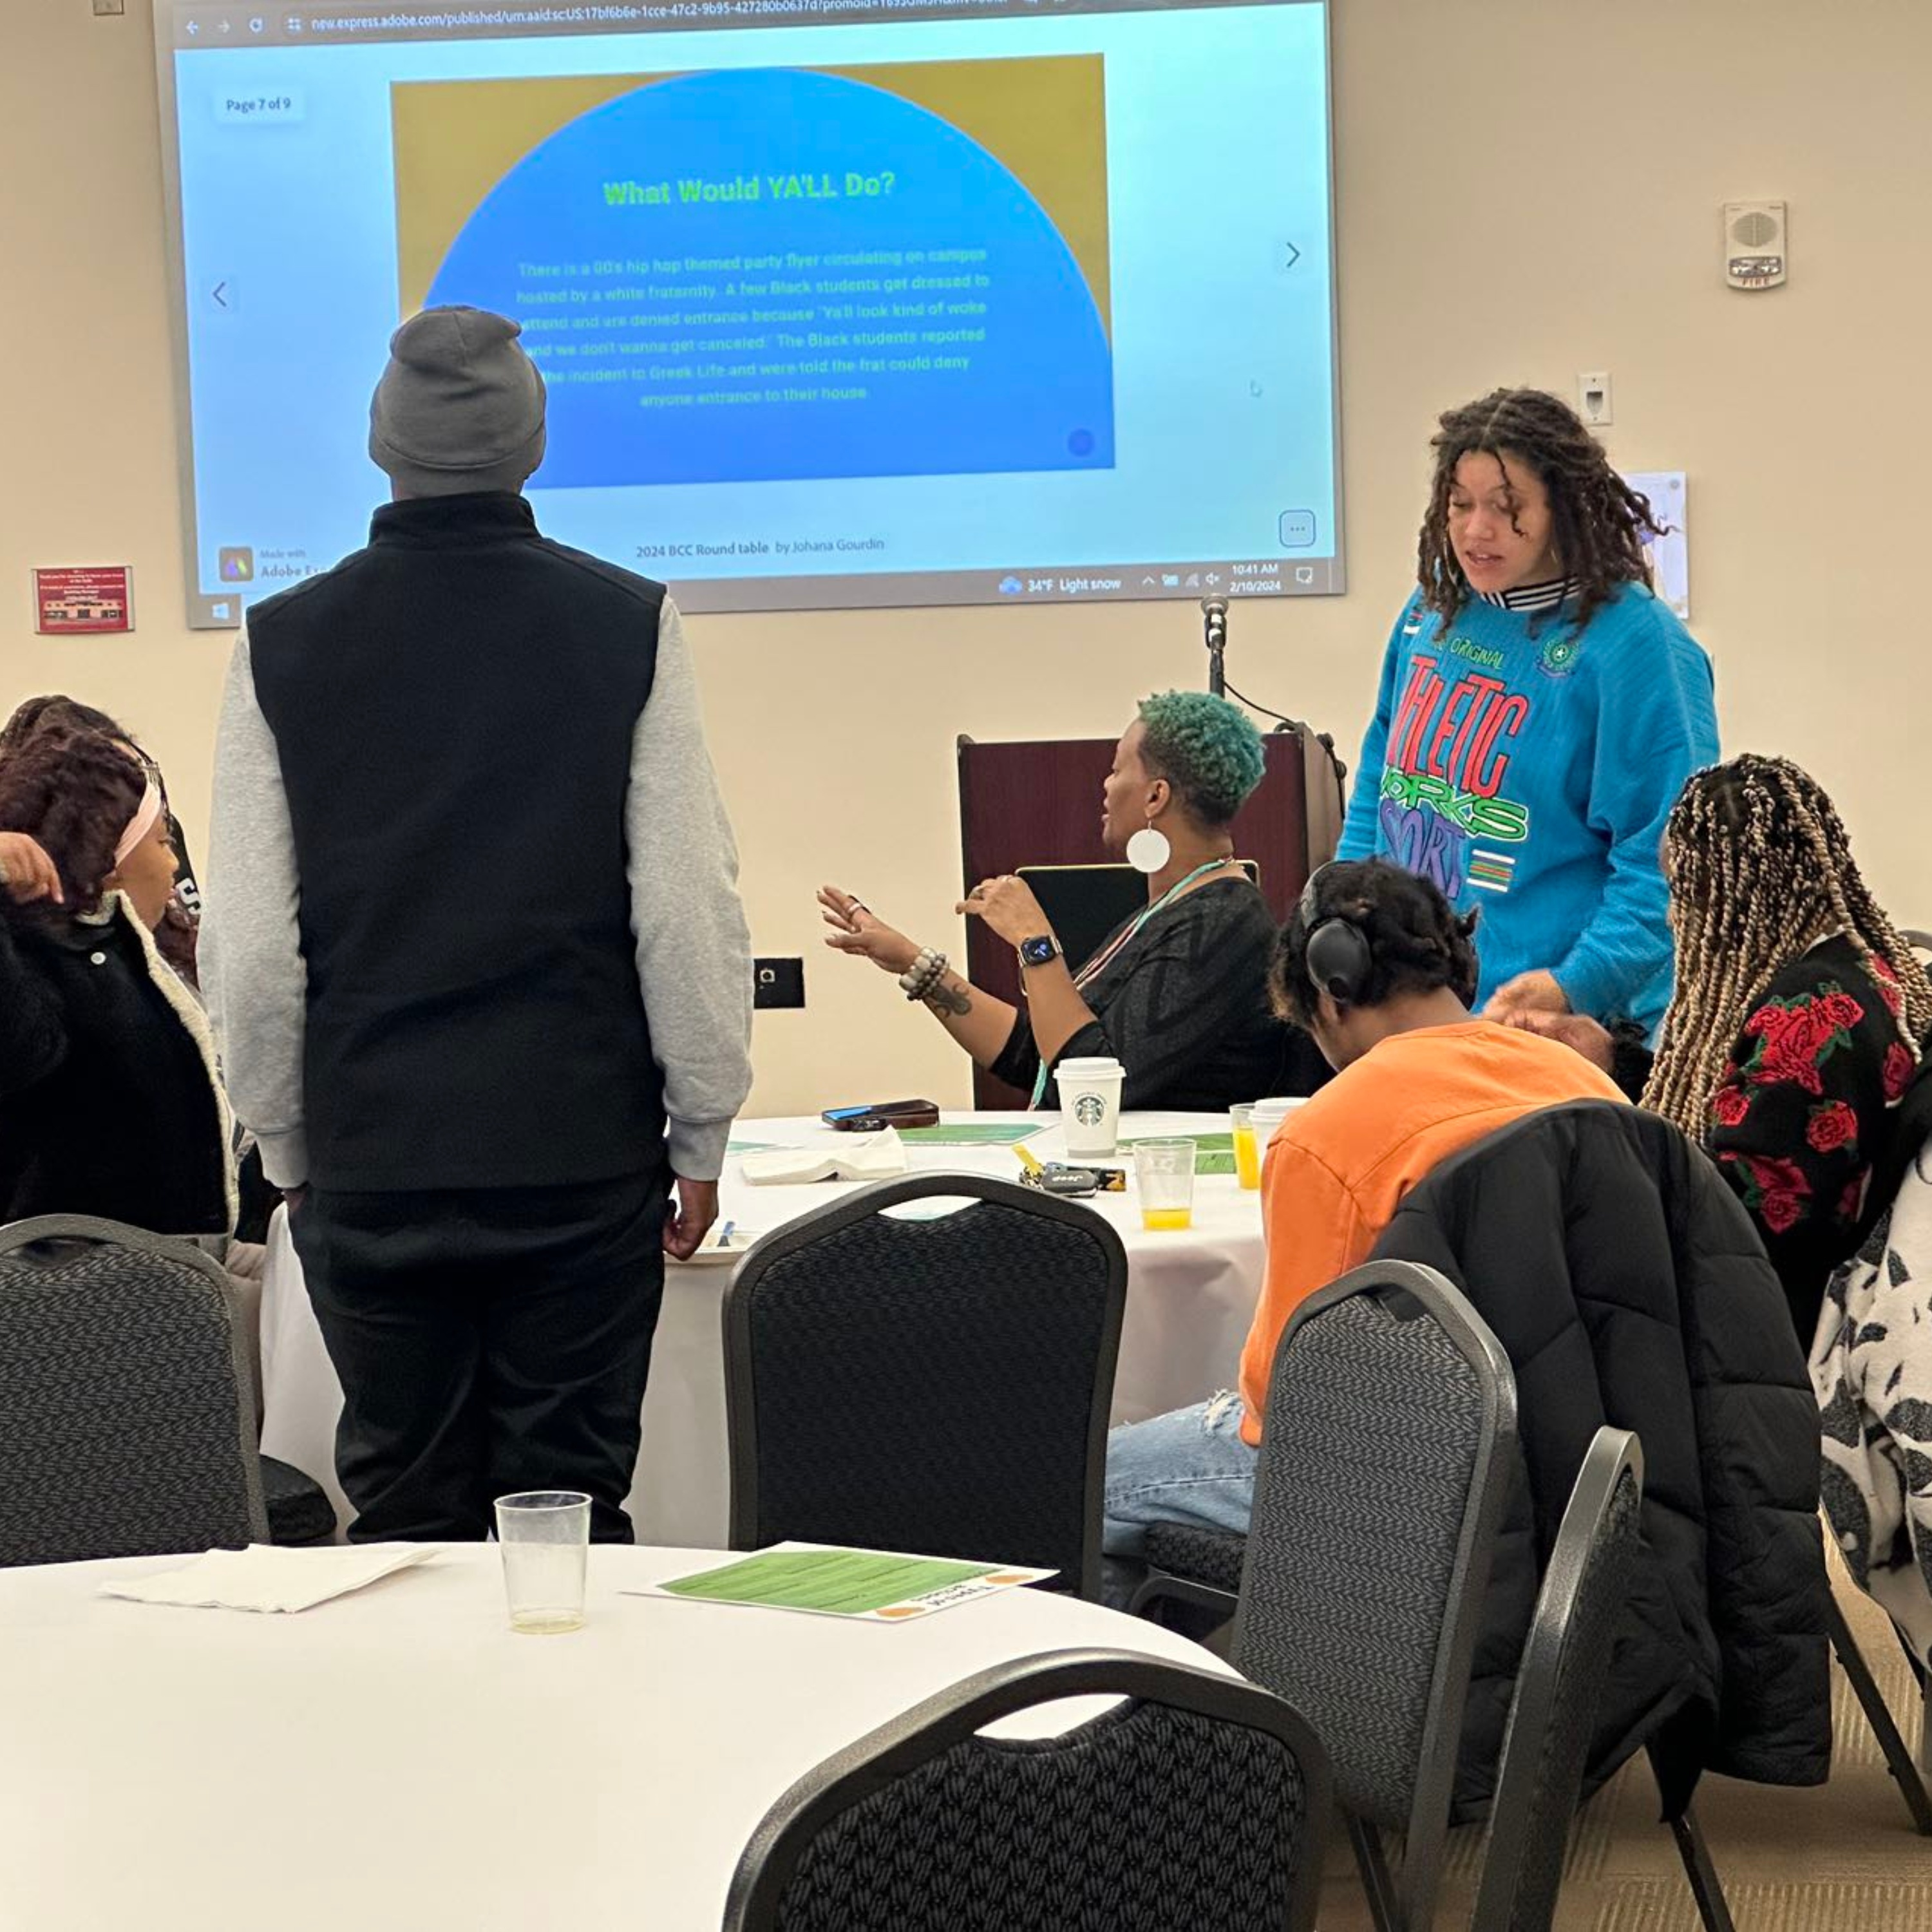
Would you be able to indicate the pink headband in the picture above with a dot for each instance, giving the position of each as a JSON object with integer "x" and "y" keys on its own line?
{"x": 140, "y": 825}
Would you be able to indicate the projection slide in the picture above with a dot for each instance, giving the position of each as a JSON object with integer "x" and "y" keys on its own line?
{"x": 742, "y": 277}
{"x": 838, "y": 303}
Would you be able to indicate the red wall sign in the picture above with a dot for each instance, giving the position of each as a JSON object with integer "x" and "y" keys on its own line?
{"x": 84, "y": 598}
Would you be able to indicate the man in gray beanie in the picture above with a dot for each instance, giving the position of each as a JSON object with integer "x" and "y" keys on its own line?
{"x": 475, "y": 953}
{"x": 460, "y": 407}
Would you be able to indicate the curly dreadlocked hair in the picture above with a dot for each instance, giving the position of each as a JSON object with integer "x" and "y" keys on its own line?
{"x": 54, "y": 711}
{"x": 75, "y": 793}
{"x": 177, "y": 936}
{"x": 1417, "y": 941}
{"x": 1597, "y": 519}
{"x": 1760, "y": 869}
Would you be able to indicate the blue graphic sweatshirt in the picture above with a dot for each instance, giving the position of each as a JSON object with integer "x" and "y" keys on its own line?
{"x": 1527, "y": 767}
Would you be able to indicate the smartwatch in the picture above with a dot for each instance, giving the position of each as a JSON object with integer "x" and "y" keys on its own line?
{"x": 1040, "y": 952}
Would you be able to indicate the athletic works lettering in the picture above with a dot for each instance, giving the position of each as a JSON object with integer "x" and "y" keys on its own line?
{"x": 1448, "y": 759}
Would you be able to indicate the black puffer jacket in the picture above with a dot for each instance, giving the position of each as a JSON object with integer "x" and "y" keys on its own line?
{"x": 1628, "y": 1286}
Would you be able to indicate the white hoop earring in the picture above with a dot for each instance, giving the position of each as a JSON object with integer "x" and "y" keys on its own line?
{"x": 1148, "y": 851}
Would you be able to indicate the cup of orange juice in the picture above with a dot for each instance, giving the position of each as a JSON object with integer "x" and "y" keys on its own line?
{"x": 1164, "y": 1171}
{"x": 1247, "y": 1154}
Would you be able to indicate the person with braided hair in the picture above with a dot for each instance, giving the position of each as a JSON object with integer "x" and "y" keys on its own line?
{"x": 1798, "y": 1020}
{"x": 1539, "y": 712}
{"x": 1378, "y": 968}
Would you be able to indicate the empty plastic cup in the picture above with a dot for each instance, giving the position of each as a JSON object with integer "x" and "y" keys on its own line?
{"x": 545, "y": 1535}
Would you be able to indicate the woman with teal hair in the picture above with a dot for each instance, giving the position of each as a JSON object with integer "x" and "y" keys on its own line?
{"x": 1177, "y": 993}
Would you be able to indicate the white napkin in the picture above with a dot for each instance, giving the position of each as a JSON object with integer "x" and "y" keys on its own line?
{"x": 867, "y": 1157}
{"x": 262, "y": 1577}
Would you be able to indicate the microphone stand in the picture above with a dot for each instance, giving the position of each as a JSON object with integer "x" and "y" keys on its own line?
{"x": 1214, "y": 618}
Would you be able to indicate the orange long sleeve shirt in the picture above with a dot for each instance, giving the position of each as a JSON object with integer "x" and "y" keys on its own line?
{"x": 1338, "y": 1168}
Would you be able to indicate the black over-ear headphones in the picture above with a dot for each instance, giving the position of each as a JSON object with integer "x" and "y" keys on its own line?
{"x": 1339, "y": 957}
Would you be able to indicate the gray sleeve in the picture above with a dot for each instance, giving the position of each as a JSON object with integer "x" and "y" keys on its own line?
{"x": 253, "y": 974}
{"x": 694, "y": 951}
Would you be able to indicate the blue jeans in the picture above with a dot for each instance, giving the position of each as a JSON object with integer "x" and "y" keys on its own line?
{"x": 1189, "y": 1465}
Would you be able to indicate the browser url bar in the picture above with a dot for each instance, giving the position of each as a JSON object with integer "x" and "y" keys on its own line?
{"x": 620, "y": 14}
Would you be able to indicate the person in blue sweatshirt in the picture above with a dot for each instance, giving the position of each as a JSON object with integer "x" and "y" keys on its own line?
{"x": 1540, "y": 712}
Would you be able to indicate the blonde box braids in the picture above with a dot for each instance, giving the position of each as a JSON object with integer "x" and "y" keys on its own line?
{"x": 1760, "y": 870}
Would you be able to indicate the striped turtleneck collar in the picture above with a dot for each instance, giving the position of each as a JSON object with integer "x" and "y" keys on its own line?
{"x": 1532, "y": 596}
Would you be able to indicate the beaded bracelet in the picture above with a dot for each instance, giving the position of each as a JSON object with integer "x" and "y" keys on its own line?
{"x": 929, "y": 981}
{"x": 924, "y": 974}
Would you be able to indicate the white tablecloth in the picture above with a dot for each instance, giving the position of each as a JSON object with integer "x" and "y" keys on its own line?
{"x": 398, "y": 1759}
{"x": 1190, "y": 1296}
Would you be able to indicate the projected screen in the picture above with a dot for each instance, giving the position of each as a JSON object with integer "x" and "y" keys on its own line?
{"x": 838, "y": 302}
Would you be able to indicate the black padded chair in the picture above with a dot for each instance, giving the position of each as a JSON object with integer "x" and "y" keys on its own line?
{"x": 1199, "y": 1805}
{"x": 940, "y": 1387}
{"x": 1186, "y": 1566}
{"x": 128, "y": 1400}
{"x": 300, "y": 1517}
{"x": 1383, "y": 1472}
{"x": 1585, "y": 1587}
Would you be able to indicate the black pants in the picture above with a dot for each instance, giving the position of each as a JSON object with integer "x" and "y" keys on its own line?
{"x": 486, "y": 1342}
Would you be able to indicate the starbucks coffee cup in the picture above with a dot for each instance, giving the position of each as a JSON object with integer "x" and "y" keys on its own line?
{"x": 1090, "y": 1106}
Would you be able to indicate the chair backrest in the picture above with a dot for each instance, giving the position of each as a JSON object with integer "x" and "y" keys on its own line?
{"x": 1557, "y": 1685}
{"x": 1384, "y": 1464}
{"x": 128, "y": 1399}
{"x": 1908, "y": 1134}
{"x": 938, "y": 1386}
{"x": 1200, "y": 1805}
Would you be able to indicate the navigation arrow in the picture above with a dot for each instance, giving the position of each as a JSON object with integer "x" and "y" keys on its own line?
{"x": 219, "y": 296}
{"x": 1293, "y": 254}
{"x": 193, "y": 28}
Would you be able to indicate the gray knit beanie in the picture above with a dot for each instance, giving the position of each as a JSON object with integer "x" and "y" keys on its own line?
{"x": 460, "y": 406}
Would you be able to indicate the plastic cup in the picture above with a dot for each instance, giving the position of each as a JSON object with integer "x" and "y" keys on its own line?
{"x": 1165, "y": 1172}
{"x": 1266, "y": 1116}
{"x": 1090, "y": 1106}
{"x": 545, "y": 1536}
{"x": 1247, "y": 1154}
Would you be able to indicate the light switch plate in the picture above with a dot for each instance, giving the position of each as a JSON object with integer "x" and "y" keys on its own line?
{"x": 778, "y": 983}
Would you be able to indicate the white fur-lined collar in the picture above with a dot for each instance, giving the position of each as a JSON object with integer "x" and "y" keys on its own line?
{"x": 187, "y": 1009}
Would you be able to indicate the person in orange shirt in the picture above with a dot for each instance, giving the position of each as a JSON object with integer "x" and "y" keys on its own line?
{"x": 1377, "y": 967}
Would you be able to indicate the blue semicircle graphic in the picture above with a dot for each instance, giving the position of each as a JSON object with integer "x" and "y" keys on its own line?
{"x": 705, "y": 336}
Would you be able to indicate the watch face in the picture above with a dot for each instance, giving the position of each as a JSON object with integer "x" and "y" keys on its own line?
{"x": 1037, "y": 952}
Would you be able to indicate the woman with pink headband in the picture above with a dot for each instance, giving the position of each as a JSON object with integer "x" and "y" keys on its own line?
{"x": 110, "y": 1101}
{"x": 177, "y": 934}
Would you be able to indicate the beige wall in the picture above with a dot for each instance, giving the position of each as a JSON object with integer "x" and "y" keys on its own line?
{"x": 1524, "y": 192}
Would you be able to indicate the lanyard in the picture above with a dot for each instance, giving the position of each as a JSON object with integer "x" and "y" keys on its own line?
{"x": 1105, "y": 957}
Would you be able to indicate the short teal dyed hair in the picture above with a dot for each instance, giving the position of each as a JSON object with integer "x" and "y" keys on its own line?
{"x": 1208, "y": 749}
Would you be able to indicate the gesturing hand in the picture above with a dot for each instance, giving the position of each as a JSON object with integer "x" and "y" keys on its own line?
{"x": 856, "y": 929}
{"x": 29, "y": 873}
{"x": 1008, "y": 907}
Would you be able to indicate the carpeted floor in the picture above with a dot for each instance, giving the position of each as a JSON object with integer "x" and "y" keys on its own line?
{"x": 1842, "y": 1858}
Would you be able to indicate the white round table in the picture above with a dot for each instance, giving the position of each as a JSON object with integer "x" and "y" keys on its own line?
{"x": 1191, "y": 1295}
{"x": 397, "y": 1758}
